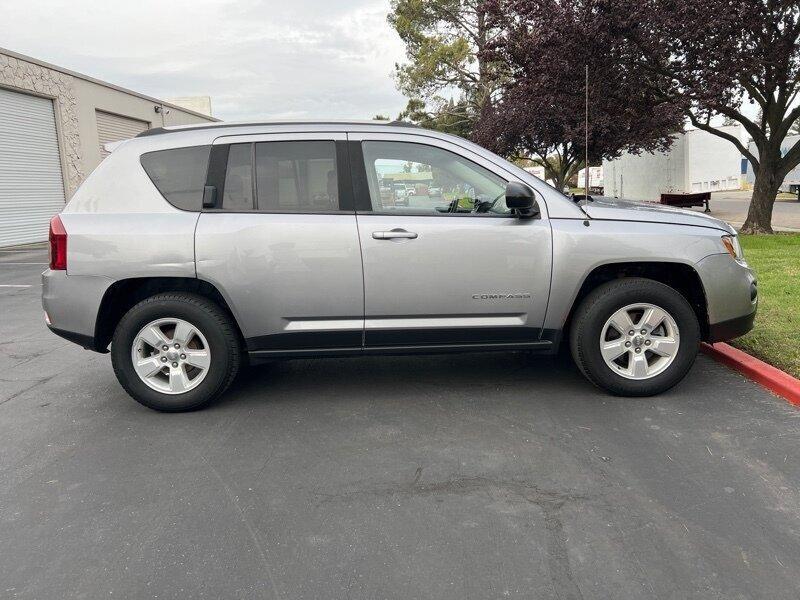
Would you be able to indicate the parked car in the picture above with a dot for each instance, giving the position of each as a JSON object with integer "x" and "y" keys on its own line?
{"x": 192, "y": 250}
{"x": 401, "y": 194}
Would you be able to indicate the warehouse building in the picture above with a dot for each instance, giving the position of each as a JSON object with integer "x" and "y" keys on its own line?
{"x": 697, "y": 161}
{"x": 54, "y": 124}
{"x": 791, "y": 183}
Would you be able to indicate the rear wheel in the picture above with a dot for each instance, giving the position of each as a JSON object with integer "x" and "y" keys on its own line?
{"x": 634, "y": 337}
{"x": 175, "y": 352}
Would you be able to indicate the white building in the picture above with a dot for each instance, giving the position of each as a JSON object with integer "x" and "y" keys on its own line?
{"x": 537, "y": 171}
{"x": 698, "y": 161}
{"x": 54, "y": 124}
{"x": 791, "y": 182}
{"x": 198, "y": 104}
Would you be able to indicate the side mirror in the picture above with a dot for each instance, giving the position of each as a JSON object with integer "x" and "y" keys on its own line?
{"x": 521, "y": 199}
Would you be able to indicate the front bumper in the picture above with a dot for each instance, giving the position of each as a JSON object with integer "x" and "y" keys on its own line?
{"x": 731, "y": 291}
{"x": 732, "y": 328}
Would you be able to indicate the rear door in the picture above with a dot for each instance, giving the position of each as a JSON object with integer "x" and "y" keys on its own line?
{"x": 281, "y": 241}
{"x": 445, "y": 262}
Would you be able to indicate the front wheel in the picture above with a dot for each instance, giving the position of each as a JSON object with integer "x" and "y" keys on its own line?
{"x": 634, "y": 337}
{"x": 175, "y": 352}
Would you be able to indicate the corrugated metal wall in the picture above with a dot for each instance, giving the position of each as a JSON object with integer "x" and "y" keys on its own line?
{"x": 113, "y": 128}
{"x": 31, "y": 184}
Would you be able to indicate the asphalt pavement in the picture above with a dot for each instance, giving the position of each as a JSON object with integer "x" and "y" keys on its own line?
{"x": 459, "y": 476}
{"x": 732, "y": 206}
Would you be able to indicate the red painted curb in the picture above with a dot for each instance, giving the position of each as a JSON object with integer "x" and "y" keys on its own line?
{"x": 775, "y": 380}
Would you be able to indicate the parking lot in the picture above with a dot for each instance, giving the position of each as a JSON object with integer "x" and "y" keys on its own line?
{"x": 732, "y": 206}
{"x": 458, "y": 476}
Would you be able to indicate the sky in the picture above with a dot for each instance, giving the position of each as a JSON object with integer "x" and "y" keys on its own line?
{"x": 267, "y": 59}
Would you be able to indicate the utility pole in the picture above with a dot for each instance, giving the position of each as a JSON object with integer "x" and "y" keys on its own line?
{"x": 586, "y": 141}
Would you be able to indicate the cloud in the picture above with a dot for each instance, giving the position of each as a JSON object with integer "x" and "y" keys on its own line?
{"x": 256, "y": 58}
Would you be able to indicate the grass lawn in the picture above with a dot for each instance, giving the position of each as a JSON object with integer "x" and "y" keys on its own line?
{"x": 776, "y": 336}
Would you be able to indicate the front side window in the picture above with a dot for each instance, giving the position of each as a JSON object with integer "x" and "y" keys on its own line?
{"x": 410, "y": 178}
{"x": 297, "y": 176}
{"x": 179, "y": 174}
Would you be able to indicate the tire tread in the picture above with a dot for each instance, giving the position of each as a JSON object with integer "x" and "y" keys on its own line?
{"x": 589, "y": 307}
{"x": 229, "y": 332}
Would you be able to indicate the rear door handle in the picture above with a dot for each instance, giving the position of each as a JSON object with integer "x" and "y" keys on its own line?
{"x": 394, "y": 234}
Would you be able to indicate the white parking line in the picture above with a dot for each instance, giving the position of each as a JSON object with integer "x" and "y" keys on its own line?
{"x": 11, "y": 285}
{"x": 20, "y": 263}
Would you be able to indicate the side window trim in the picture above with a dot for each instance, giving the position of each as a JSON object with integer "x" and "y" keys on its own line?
{"x": 344, "y": 178}
{"x": 218, "y": 165}
{"x": 253, "y": 182}
{"x": 358, "y": 170}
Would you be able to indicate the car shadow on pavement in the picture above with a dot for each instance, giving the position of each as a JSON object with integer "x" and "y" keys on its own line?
{"x": 463, "y": 374}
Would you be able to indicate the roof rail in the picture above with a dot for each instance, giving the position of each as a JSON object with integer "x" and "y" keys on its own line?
{"x": 399, "y": 123}
{"x": 223, "y": 125}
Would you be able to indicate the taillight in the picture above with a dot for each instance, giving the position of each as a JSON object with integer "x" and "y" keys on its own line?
{"x": 58, "y": 245}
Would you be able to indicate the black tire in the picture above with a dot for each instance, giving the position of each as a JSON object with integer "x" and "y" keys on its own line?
{"x": 592, "y": 314}
{"x": 210, "y": 319}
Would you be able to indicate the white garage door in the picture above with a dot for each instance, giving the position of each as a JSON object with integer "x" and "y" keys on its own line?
{"x": 113, "y": 128}
{"x": 31, "y": 186}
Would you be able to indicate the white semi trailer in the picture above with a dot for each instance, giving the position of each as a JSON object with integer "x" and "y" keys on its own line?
{"x": 791, "y": 183}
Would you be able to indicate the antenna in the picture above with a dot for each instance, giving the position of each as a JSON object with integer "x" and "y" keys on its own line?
{"x": 586, "y": 141}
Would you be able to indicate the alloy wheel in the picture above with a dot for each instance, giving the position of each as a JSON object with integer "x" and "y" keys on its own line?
{"x": 171, "y": 355}
{"x": 639, "y": 341}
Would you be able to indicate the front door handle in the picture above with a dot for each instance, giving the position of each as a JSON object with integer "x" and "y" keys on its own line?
{"x": 394, "y": 234}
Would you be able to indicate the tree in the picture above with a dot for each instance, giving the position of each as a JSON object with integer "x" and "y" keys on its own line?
{"x": 748, "y": 54}
{"x": 447, "y": 77}
{"x": 448, "y": 117}
{"x": 545, "y": 46}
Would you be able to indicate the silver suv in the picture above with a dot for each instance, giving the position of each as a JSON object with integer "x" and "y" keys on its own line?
{"x": 193, "y": 250}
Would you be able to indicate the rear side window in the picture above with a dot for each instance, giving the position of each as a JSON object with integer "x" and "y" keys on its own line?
{"x": 297, "y": 176}
{"x": 179, "y": 174}
{"x": 238, "y": 193}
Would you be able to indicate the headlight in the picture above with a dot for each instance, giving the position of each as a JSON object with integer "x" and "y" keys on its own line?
{"x": 731, "y": 243}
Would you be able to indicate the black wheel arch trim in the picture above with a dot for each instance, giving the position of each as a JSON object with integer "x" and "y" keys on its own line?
{"x": 136, "y": 289}
{"x": 642, "y": 269}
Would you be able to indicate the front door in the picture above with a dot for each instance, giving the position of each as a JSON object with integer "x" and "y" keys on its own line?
{"x": 445, "y": 262}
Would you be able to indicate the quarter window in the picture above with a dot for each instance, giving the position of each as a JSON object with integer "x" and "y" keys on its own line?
{"x": 409, "y": 178}
{"x": 179, "y": 174}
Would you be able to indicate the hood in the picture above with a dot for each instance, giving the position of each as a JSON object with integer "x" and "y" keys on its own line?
{"x": 625, "y": 210}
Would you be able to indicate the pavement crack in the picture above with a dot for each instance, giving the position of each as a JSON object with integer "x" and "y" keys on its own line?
{"x": 251, "y": 530}
{"x": 37, "y": 383}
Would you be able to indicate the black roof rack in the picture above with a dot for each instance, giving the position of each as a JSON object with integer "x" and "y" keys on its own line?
{"x": 404, "y": 124}
{"x": 223, "y": 125}
{"x": 153, "y": 131}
